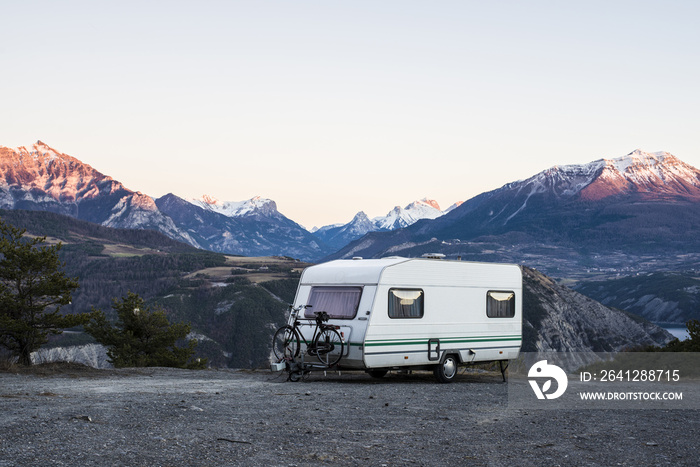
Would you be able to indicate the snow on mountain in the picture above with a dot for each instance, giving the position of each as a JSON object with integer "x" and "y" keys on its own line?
{"x": 235, "y": 208}
{"x": 359, "y": 225}
{"x": 637, "y": 172}
{"x": 42, "y": 179}
{"x": 47, "y": 174}
{"x": 641, "y": 172}
{"x": 262, "y": 231}
{"x": 640, "y": 202}
{"x": 339, "y": 235}
{"x": 399, "y": 217}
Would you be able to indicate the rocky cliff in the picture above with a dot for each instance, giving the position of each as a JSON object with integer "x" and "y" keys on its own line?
{"x": 558, "y": 318}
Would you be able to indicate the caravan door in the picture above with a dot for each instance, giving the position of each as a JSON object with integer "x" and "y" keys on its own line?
{"x": 348, "y": 307}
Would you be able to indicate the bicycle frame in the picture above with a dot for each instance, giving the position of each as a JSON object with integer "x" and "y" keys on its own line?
{"x": 326, "y": 344}
{"x": 320, "y": 319}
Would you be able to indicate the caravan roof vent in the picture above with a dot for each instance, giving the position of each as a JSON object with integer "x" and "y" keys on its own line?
{"x": 433, "y": 256}
{"x": 357, "y": 258}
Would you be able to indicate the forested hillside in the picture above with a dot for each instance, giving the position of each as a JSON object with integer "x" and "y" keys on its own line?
{"x": 219, "y": 295}
{"x": 234, "y": 304}
{"x": 671, "y": 297}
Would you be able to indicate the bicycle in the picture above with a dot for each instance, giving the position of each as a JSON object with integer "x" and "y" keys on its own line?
{"x": 326, "y": 344}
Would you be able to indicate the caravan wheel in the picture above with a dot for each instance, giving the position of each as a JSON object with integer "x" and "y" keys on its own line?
{"x": 446, "y": 371}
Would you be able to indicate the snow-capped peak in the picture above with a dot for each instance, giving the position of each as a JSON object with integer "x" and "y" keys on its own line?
{"x": 402, "y": 217}
{"x": 43, "y": 154}
{"x": 644, "y": 172}
{"x": 235, "y": 208}
{"x": 339, "y": 235}
{"x": 638, "y": 159}
{"x": 42, "y": 171}
{"x": 425, "y": 208}
{"x": 427, "y": 202}
{"x": 638, "y": 172}
{"x": 210, "y": 200}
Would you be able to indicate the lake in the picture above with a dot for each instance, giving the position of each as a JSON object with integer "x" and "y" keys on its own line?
{"x": 679, "y": 331}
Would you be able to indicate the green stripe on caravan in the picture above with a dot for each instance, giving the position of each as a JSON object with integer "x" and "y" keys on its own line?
{"x": 448, "y": 340}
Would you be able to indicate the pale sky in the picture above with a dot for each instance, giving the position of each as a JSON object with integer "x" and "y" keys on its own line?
{"x": 332, "y": 107}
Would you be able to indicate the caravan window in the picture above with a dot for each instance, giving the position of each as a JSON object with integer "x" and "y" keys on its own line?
{"x": 500, "y": 304}
{"x": 405, "y": 303}
{"x": 338, "y": 302}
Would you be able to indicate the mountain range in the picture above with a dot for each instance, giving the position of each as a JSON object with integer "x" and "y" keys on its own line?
{"x": 611, "y": 216}
{"x": 40, "y": 178}
{"x": 234, "y": 304}
{"x": 641, "y": 210}
{"x": 337, "y": 236}
{"x": 44, "y": 179}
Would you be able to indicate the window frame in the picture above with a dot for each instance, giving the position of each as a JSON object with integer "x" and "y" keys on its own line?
{"x": 512, "y": 299}
{"x": 390, "y": 300}
{"x": 309, "y": 312}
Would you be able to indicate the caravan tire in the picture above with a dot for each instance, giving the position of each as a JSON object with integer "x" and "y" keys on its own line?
{"x": 377, "y": 373}
{"x": 446, "y": 371}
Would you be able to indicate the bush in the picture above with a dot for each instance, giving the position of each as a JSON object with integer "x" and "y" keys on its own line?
{"x": 142, "y": 337}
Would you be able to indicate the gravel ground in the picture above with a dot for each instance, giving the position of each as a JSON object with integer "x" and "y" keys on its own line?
{"x": 178, "y": 417}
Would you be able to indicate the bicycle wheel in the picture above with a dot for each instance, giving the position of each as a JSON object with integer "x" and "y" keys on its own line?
{"x": 285, "y": 343}
{"x": 329, "y": 347}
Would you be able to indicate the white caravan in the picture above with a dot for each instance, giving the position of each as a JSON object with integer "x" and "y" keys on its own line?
{"x": 401, "y": 313}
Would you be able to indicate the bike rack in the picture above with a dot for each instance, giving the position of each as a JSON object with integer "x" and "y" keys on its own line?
{"x": 297, "y": 369}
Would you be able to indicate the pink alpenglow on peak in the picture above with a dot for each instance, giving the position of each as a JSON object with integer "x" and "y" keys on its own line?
{"x": 46, "y": 172}
{"x": 39, "y": 178}
{"x": 637, "y": 173}
{"x": 430, "y": 202}
{"x": 641, "y": 172}
{"x": 210, "y": 200}
{"x": 235, "y": 208}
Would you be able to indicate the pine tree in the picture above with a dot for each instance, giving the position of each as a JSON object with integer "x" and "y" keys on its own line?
{"x": 692, "y": 344}
{"x": 142, "y": 337}
{"x": 33, "y": 288}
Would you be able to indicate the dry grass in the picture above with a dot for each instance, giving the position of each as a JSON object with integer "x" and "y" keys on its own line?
{"x": 252, "y": 268}
{"x": 258, "y": 278}
{"x": 262, "y": 260}
{"x": 221, "y": 272}
{"x": 124, "y": 251}
{"x": 48, "y": 241}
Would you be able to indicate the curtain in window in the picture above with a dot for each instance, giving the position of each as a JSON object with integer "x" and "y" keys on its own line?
{"x": 500, "y": 305}
{"x": 338, "y": 302}
{"x": 405, "y": 303}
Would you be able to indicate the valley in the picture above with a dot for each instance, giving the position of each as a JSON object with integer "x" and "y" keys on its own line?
{"x": 230, "y": 268}
{"x": 235, "y": 303}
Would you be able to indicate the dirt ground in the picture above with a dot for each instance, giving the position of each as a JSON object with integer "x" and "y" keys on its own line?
{"x": 72, "y": 415}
